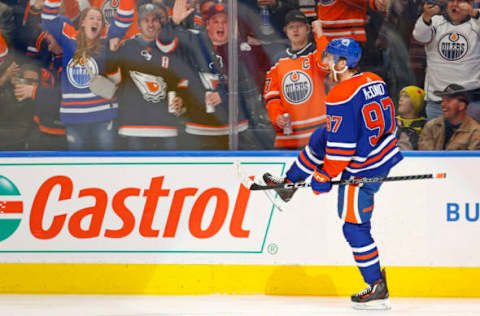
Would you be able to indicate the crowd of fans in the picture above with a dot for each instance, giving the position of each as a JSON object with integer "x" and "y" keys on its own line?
{"x": 154, "y": 74}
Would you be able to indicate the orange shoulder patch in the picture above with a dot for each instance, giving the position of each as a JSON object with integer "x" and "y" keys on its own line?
{"x": 343, "y": 91}
{"x": 372, "y": 76}
{"x": 69, "y": 31}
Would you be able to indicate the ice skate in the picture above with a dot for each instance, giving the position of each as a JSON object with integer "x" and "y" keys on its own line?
{"x": 284, "y": 194}
{"x": 375, "y": 296}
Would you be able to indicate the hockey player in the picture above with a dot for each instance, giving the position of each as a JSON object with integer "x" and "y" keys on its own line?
{"x": 359, "y": 141}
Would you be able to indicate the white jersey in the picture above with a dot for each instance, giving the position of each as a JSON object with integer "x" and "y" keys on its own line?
{"x": 453, "y": 53}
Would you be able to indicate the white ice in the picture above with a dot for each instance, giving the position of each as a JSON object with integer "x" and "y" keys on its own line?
{"x": 222, "y": 305}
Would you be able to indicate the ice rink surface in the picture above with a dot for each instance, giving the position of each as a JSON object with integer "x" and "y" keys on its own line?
{"x": 221, "y": 305}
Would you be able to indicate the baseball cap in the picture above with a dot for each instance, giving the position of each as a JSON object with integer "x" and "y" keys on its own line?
{"x": 416, "y": 95}
{"x": 295, "y": 15}
{"x": 454, "y": 90}
{"x": 216, "y": 9}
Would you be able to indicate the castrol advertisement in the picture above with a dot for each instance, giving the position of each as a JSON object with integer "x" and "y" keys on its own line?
{"x": 189, "y": 206}
{"x": 193, "y": 209}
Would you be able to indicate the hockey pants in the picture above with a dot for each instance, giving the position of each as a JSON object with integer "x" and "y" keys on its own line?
{"x": 355, "y": 208}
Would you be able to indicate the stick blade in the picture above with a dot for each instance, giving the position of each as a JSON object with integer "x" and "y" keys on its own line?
{"x": 244, "y": 179}
{"x": 441, "y": 175}
{"x": 250, "y": 184}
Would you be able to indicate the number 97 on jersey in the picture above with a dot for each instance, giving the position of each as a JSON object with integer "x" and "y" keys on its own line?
{"x": 333, "y": 123}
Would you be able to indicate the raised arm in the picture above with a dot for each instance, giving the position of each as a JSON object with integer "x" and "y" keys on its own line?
{"x": 321, "y": 42}
{"x": 58, "y": 26}
{"x": 122, "y": 19}
{"x": 424, "y": 28}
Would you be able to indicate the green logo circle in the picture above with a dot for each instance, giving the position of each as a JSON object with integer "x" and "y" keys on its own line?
{"x": 11, "y": 208}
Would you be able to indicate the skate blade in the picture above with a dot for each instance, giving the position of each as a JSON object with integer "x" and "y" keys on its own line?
{"x": 373, "y": 305}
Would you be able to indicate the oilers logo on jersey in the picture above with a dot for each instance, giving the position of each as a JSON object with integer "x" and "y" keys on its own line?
{"x": 109, "y": 8}
{"x": 297, "y": 86}
{"x": 77, "y": 74}
{"x": 153, "y": 88}
{"x": 453, "y": 46}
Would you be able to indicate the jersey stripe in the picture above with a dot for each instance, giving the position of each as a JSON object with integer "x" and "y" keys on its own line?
{"x": 148, "y": 131}
{"x": 90, "y": 109}
{"x": 198, "y": 129}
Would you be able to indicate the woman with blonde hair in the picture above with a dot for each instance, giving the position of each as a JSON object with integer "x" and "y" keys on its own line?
{"x": 89, "y": 119}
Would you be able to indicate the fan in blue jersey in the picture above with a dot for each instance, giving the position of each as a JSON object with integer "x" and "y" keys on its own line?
{"x": 359, "y": 141}
{"x": 89, "y": 119}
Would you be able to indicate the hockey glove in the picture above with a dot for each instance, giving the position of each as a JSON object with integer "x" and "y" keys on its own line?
{"x": 321, "y": 182}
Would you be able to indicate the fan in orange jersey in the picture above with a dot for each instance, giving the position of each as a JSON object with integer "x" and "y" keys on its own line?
{"x": 346, "y": 18}
{"x": 295, "y": 85}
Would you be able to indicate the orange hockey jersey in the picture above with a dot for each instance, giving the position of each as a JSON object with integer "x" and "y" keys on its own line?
{"x": 3, "y": 49}
{"x": 295, "y": 85}
{"x": 109, "y": 8}
{"x": 344, "y": 18}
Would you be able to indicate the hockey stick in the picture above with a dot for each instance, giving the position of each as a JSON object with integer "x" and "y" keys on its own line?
{"x": 247, "y": 181}
{"x": 251, "y": 185}
{"x": 258, "y": 187}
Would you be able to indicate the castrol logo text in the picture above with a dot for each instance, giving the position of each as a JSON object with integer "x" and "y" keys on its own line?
{"x": 117, "y": 209}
